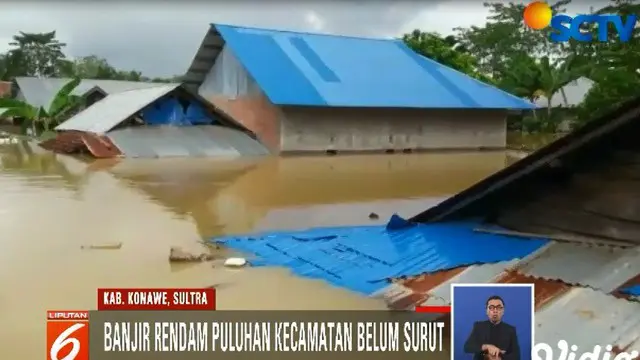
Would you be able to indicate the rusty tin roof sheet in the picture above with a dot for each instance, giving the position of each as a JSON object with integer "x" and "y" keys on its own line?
{"x": 587, "y": 317}
{"x": 544, "y": 290}
{"x": 486, "y": 273}
{"x": 600, "y": 267}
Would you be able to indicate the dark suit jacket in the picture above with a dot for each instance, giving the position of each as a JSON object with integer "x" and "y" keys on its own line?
{"x": 507, "y": 340}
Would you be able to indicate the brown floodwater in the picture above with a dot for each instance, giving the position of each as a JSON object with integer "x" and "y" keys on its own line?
{"x": 52, "y": 205}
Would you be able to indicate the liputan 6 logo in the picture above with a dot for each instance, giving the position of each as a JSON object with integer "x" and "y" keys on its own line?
{"x": 67, "y": 335}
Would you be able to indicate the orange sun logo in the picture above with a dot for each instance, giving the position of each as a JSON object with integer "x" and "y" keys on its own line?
{"x": 537, "y": 15}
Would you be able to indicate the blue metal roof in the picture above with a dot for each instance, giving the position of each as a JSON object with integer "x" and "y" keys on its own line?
{"x": 363, "y": 258}
{"x": 632, "y": 290}
{"x": 326, "y": 70}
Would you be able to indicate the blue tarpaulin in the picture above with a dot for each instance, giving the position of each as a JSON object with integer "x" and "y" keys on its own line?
{"x": 631, "y": 290}
{"x": 363, "y": 258}
{"x": 171, "y": 112}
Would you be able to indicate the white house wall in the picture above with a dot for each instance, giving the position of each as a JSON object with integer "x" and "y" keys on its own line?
{"x": 227, "y": 77}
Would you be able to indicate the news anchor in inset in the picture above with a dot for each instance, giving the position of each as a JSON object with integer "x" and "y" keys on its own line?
{"x": 493, "y": 339}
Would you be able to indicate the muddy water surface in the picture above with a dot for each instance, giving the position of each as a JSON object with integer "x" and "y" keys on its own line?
{"x": 51, "y": 206}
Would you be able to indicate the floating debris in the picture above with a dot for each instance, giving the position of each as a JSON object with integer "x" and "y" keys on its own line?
{"x": 114, "y": 246}
{"x": 176, "y": 254}
{"x": 235, "y": 262}
{"x": 374, "y": 216}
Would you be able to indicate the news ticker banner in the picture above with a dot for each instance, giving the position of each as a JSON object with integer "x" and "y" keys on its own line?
{"x": 168, "y": 324}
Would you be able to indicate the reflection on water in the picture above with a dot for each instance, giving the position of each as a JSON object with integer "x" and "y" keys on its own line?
{"x": 51, "y": 205}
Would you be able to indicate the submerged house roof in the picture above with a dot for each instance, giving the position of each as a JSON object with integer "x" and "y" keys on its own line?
{"x": 304, "y": 69}
{"x": 583, "y": 185}
{"x": 40, "y": 91}
{"x": 571, "y": 310}
{"x": 108, "y": 113}
{"x": 173, "y": 122}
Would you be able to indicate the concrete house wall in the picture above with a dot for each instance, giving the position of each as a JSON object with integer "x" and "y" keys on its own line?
{"x": 374, "y": 129}
{"x": 230, "y": 87}
{"x": 298, "y": 129}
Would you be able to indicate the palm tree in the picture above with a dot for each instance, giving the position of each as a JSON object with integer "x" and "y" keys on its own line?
{"x": 32, "y": 115}
{"x": 554, "y": 76}
{"x": 42, "y": 52}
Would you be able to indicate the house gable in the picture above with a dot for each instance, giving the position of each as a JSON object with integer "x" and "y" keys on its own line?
{"x": 302, "y": 69}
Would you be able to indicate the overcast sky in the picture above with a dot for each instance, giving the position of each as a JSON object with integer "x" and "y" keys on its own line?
{"x": 160, "y": 38}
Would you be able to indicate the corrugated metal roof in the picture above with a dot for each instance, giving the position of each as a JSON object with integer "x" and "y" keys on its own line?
{"x": 177, "y": 141}
{"x": 435, "y": 288}
{"x": 601, "y": 268}
{"x": 363, "y": 258}
{"x": 581, "y": 316}
{"x": 486, "y": 273}
{"x": 545, "y": 290}
{"x": 40, "y": 91}
{"x": 586, "y": 317}
{"x": 633, "y": 290}
{"x": 74, "y": 142}
{"x": 329, "y": 70}
{"x": 423, "y": 283}
{"x": 105, "y": 114}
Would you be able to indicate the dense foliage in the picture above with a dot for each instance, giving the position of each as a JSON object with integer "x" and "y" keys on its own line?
{"x": 41, "y": 54}
{"x": 525, "y": 63}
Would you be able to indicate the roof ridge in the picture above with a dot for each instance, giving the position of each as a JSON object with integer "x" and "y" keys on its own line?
{"x": 306, "y": 32}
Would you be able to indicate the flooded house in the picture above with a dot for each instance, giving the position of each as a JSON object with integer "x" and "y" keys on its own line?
{"x": 158, "y": 121}
{"x": 302, "y": 92}
{"x": 39, "y": 91}
{"x": 565, "y": 219}
{"x": 579, "y": 192}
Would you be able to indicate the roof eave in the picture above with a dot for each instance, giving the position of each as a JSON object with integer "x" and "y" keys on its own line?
{"x": 211, "y": 46}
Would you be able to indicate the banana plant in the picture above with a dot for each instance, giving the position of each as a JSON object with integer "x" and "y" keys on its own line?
{"x": 31, "y": 115}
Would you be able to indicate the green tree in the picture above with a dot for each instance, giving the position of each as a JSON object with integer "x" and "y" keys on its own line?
{"x": 40, "y": 119}
{"x": 94, "y": 67}
{"x": 505, "y": 36}
{"x": 12, "y": 64}
{"x": 131, "y": 75}
{"x": 173, "y": 79}
{"x": 611, "y": 89}
{"x": 88, "y": 67}
{"x": 522, "y": 77}
{"x": 615, "y": 66}
{"x": 555, "y": 75}
{"x": 40, "y": 53}
{"x": 445, "y": 50}
{"x": 442, "y": 50}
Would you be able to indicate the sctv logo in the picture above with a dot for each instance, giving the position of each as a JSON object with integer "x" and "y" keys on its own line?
{"x": 538, "y": 16}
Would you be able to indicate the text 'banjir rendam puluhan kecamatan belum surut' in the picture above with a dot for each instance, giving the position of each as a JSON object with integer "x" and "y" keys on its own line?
{"x": 273, "y": 336}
